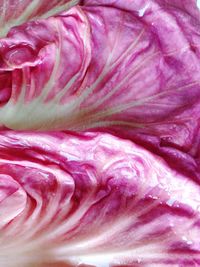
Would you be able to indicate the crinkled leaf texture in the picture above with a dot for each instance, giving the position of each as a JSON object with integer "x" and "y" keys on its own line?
{"x": 93, "y": 199}
{"x": 130, "y": 66}
{"x": 16, "y": 12}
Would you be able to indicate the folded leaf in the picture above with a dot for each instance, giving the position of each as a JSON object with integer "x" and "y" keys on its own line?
{"x": 128, "y": 66}
{"x": 95, "y": 200}
{"x": 16, "y": 12}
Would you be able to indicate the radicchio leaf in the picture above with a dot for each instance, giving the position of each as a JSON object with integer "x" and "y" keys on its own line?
{"x": 95, "y": 200}
{"x": 16, "y": 12}
{"x": 130, "y": 67}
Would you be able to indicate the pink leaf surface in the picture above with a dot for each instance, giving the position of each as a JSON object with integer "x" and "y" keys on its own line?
{"x": 93, "y": 199}
{"x": 16, "y": 12}
{"x": 130, "y": 67}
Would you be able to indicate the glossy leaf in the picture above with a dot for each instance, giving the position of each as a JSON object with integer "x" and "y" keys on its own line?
{"x": 93, "y": 199}
{"x": 16, "y": 12}
{"x": 130, "y": 67}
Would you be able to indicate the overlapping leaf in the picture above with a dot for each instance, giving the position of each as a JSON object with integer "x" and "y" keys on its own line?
{"x": 132, "y": 68}
{"x": 16, "y": 12}
{"x": 93, "y": 199}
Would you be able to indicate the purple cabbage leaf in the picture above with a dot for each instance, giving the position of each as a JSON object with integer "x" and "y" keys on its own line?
{"x": 93, "y": 199}
{"x": 16, "y": 12}
{"x": 128, "y": 67}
